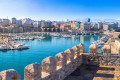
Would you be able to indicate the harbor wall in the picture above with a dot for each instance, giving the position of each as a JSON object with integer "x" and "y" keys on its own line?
{"x": 51, "y": 68}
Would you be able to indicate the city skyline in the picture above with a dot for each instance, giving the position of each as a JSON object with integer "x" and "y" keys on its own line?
{"x": 59, "y": 10}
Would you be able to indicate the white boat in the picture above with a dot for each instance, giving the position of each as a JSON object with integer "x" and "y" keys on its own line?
{"x": 21, "y": 46}
{"x": 3, "y": 47}
{"x": 41, "y": 37}
{"x": 66, "y": 36}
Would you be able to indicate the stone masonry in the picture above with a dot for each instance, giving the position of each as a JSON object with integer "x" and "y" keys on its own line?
{"x": 64, "y": 64}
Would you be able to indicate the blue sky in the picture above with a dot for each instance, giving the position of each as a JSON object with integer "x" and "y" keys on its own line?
{"x": 60, "y": 9}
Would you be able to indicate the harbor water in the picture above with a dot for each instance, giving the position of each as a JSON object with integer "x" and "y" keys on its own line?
{"x": 40, "y": 49}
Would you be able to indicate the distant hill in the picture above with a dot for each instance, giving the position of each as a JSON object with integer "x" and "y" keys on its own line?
{"x": 99, "y": 20}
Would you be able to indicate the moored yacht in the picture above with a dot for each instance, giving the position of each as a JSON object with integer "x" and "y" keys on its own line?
{"x": 21, "y": 46}
{"x": 3, "y": 47}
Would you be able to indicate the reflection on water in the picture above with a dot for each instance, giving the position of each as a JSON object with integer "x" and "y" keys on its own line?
{"x": 40, "y": 49}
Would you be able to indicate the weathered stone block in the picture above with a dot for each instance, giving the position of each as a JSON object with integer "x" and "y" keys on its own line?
{"x": 70, "y": 54}
{"x": 9, "y": 75}
{"x": 82, "y": 48}
{"x": 76, "y": 49}
{"x": 33, "y": 72}
{"x": 49, "y": 65}
{"x": 61, "y": 59}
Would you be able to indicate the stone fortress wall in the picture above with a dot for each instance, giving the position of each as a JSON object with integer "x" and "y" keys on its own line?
{"x": 63, "y": 64}
{"x": 51, "y": 68}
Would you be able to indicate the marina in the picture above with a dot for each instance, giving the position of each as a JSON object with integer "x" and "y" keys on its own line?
{"x": 10, "y": 44}
{"x": 40, "y": 49}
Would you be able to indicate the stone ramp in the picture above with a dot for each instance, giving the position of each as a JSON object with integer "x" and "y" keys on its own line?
{"x": 90, "y": 72}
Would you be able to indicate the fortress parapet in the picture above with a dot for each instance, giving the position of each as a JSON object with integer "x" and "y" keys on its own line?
{"x": 62, "y": 65}
{"x": 106, "y": 51}
{"x": 82, "y": 48}
{"x": 33, "y": 72}
{"x": 51, "y": 68}
{"x": 93, "y": 48}
{"x": 9, "y": 75}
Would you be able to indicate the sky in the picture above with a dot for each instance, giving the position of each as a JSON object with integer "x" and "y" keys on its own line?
{"x": 60, "y": 9}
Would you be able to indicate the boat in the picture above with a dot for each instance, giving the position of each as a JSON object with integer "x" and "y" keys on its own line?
{"x": 3, "y": 47}
{"x": 21, "y": 46}
{"x": 66, "y": 36}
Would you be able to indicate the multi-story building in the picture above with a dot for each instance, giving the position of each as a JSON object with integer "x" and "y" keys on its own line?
{"x": 110, "y": 25}
{"x": 46, "y": 24}
{"x": 35, "y": 24}
{"x": 85, "y": 26}
{"x": 0, "y": 20}
{"x": 19, "y": 23}
{"x": 95, "y": 26}
{"x": 105, "y": 27}
{"x": 27, "y": 22}
{"x": 100, "y": 25}
{"x": 5, "y": 22}
{"x": 88, "y": 19}
{"x": 13, "y": 20}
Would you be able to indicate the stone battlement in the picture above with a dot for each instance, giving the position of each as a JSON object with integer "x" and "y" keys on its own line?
{"x": 51, "y": 68}
{"x": 62, "y": 65}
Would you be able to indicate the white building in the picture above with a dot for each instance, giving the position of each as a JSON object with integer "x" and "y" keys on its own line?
{"x": 85, "y": 26}
{"x": 35, "y": 24}
{"x": 111, "y": 25}
{"x": 105, "y": 26}
{"x": 26, "y": 20}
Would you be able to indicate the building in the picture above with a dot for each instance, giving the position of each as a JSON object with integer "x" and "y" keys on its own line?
{"x": 85, "y": 26}
{"x": 5, "y": 22}
{"x": 19, "y": 23}
{"x": 95, "y": 26}
{"x": 13, "y": 20}
{"x": 88, "y": 19}
{"x": 0, "y": 20}
{"x": 27, "y": 22}
{"x": 111, "y": 25}
{"x": 105, "y": 27}
{"x": 78, "y": 25}
{"x": 35, "y": 24}
{"x": 46, "y": 24}
{"x": 100, "y": 25}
